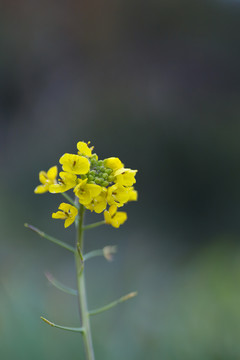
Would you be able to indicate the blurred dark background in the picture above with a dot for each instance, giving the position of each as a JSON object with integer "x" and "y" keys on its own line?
{"x": 157, "y": 84}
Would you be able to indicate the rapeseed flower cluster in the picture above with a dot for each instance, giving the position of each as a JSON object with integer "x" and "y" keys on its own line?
{"x": 98, "y": 185}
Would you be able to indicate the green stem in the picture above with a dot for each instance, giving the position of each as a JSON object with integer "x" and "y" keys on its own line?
{"x": 92, "y": 254}
{"x": 59, "y": 285}
{"x": 112, "y": 304}
{"x": 50, "y": 238}
{"x": 62, "y": 327}
{"x": 92, "y": 226}
{"x": 68, "y": 198}
{"x": 82, "y": 298}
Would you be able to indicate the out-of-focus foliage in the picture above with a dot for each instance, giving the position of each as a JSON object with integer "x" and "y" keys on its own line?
{"x": 157, "y": 83}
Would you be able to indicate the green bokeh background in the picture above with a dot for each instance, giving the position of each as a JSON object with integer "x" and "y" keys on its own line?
{"x": 157, "y": 84}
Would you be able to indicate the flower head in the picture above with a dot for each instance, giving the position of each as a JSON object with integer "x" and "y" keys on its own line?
{"x": 114, "y": 217}
{"x": 46, "y": 179}
{"x": 97, "y": 184}
{"x": 67, "y": 212}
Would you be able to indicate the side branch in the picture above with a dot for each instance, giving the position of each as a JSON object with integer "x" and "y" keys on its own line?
{"x": 112, "y": 304}
{"x": 81, "y": 330}
{"x": 50, "y": 238}
{"x": 69, "y": 199}
{"x": 59, "y": 285}
{"x": 92, "y": 226}
{"x": 107, "y": 252}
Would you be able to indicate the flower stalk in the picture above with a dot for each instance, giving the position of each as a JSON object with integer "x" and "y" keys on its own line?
{"x": 82, "y": 297}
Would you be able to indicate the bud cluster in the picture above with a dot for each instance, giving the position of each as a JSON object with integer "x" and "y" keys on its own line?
{"x": 99, "y": 174}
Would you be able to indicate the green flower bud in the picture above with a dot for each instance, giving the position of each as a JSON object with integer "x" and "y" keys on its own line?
{"x": 93, "y": 161}
{"x": 108, "y": 171}
{"x": 105, "y": 183}
{"x": 110, "y": 178}
{"x": 105, "y": 176}
{"x": 97, "y": 180}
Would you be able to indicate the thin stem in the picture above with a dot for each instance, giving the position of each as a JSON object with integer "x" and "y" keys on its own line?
{"x": 92, "y": 226}
{"x": 107, "y": 252}
{"x": 68, "y": 198}
{"x": 112, "y": 304}
{"x": 60, "y": 286}
{"x": 50, "y": 238}
{"x": 92, "y": 254}
{"x": 82, "y": 298}
{"x": 62, "y": 327}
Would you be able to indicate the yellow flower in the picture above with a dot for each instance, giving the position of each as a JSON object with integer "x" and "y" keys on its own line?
{"x": 114, "y": 217}
{"x": 99, "y": 203}
{"x": 67, "y": 213}
{"x": 75, "y": 164}
{"x": 113, "y": 163}
{"x": 86, "y": 192}
{"x": 117, "y": 195}
{"x": 83, "y": 149}
{"x": 46, "y": 179}
{"x": 67, "y": 181}
{"x": 125, "y": 177}
{"x": 133, "y": 194}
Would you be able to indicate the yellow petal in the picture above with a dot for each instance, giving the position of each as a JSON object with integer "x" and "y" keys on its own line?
{"x": 57, "y": 188}
{"x": 113, "y": 163}
{"x": 52, "y": 173}
{"x": 112, "y": 210}
{"x": 43, "y": 177}
{"x": 133, "y": 195}
{"x": 107, "y": 217}
{"x": 119, "y": 219}
{"x": 125, "y": 177}
{"x": 59, "y": 215}
{"x": 75, "y": 164}
{"x": 69, "y": 222}
{"x": 40, "y": 189}
{"x": 94, "y": 189}
{"x": 84, "y": 149}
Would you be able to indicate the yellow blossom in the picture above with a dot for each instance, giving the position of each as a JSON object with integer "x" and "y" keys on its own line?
{"x": 46, "y": 179}
{"x": 125, "y": 177}
{"x": 113, "y": 163}
{"x": 98, "y": 203}
{"x": 67, "y": 212}
{"x": 83, "y": 149}
{"x": 67, "y": 181}
{"x": 86, "y": 192}
{"x": 75, "y": 164}
{"x": 114, "y": 217}
{"x": 117, "y": 195}
{"x": 133, "y": 194}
